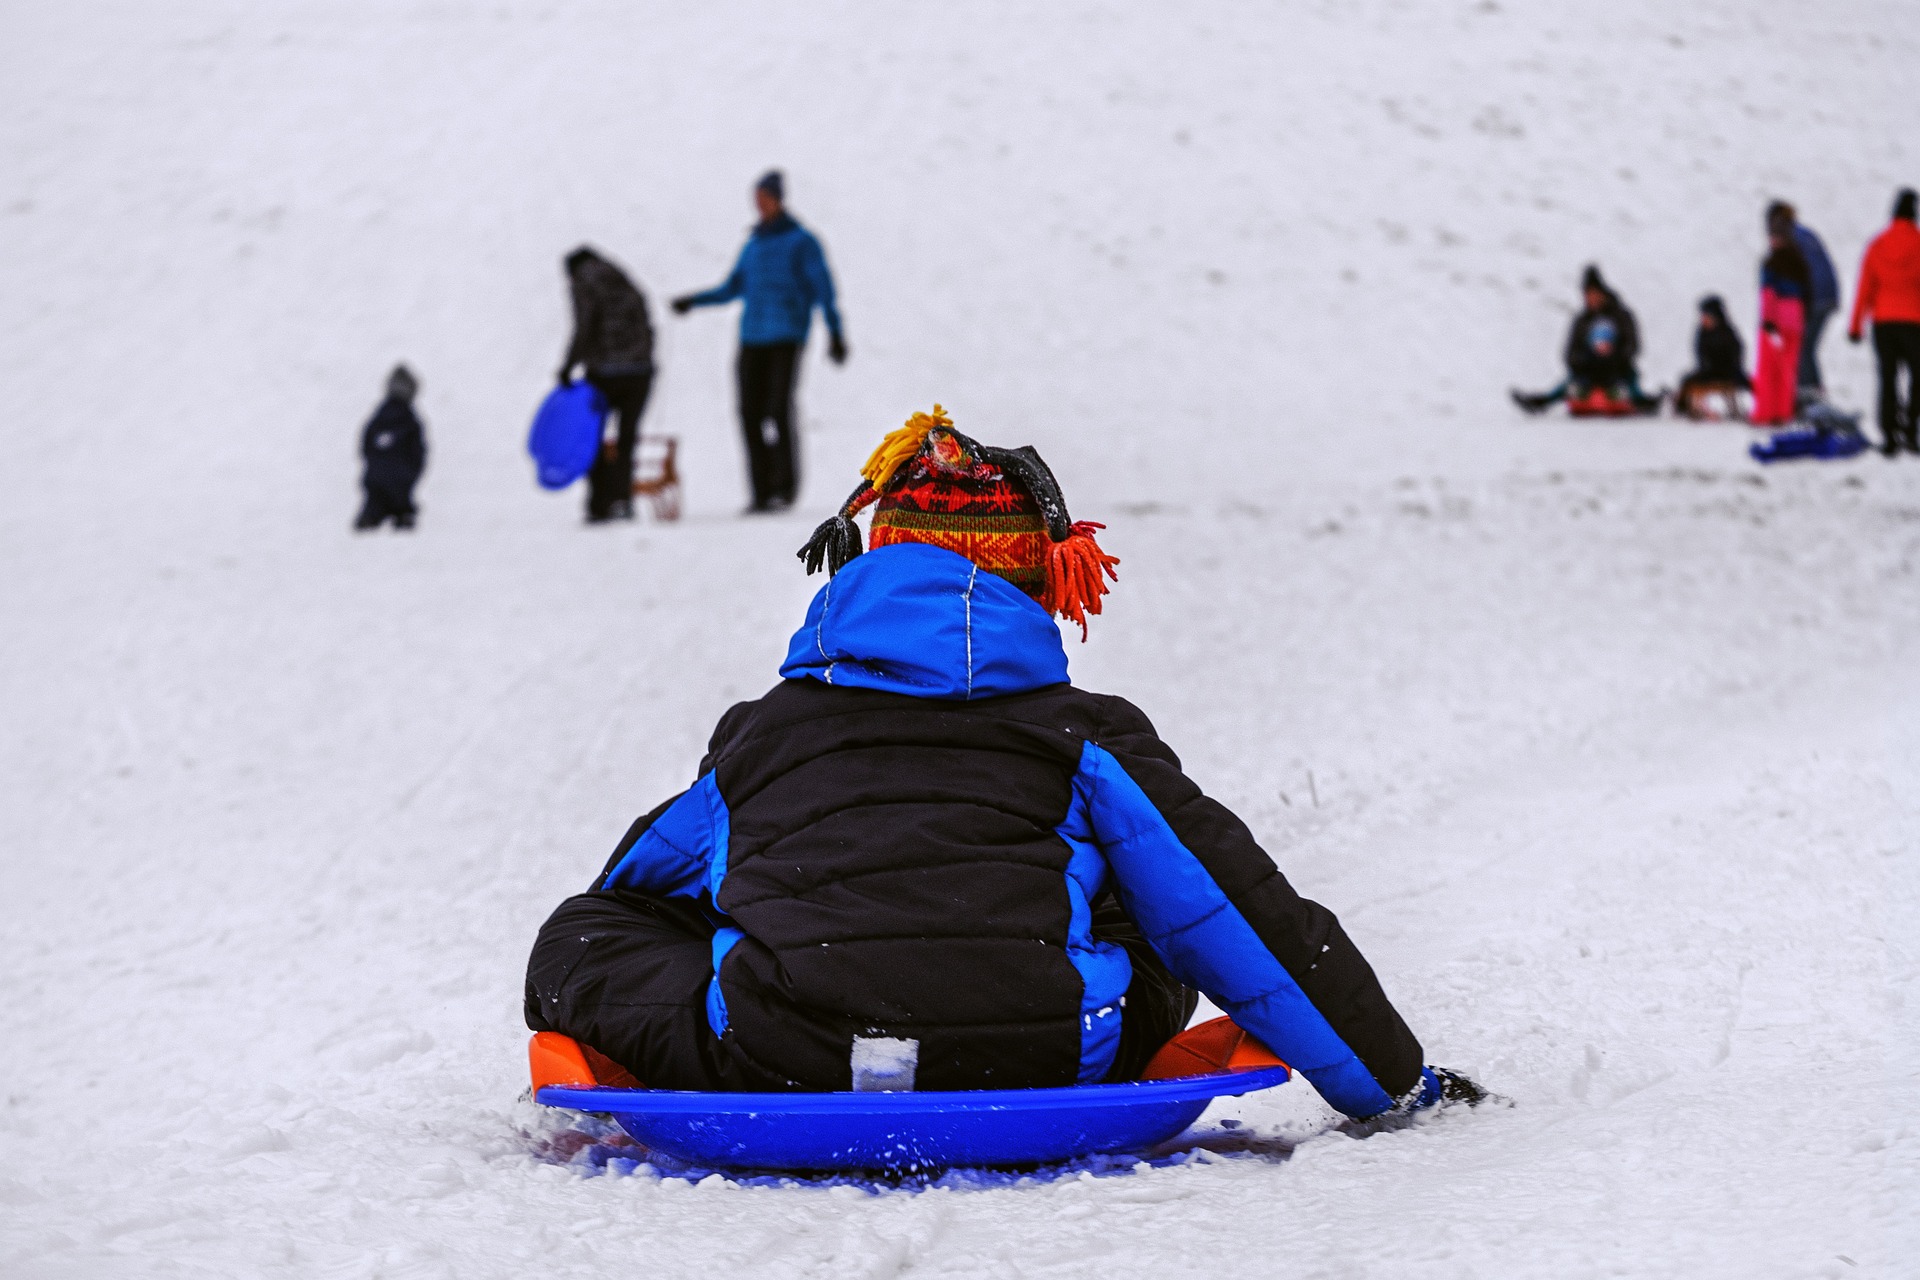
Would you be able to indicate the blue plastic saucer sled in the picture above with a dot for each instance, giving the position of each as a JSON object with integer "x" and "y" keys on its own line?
{"x": 566, "y": 433}
{"x": 909, "y": 1132}
{"x": 1829, "y": 434}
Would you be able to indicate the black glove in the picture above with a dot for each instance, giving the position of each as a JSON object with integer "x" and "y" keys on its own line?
{"x": 565, "y": 376}
{"x": 837, "y": 349}
{"x": 682, "y": 304}
{"x": 1854, "y": 338}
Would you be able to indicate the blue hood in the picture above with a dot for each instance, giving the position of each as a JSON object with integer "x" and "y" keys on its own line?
{"x": 915, "y": 619}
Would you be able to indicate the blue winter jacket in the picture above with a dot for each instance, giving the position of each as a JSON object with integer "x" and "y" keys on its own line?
{"x": 1826, "y": 282}
{"x": 908, "y": 836}
{"x": 782, "y": 273}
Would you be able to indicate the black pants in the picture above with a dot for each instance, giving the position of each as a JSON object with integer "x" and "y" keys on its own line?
{"x": 610, "y": 481}
{"x": 628, "y": 975}
{"x": 767, "y": 375}
{"x": 1897, "y": 344}
{"x": 385, "y": 502}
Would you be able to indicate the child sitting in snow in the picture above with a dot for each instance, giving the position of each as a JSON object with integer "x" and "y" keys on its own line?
{"x": 1719, "y": 360}
{"x": 925, "y": 834}
{"x": 1603, "y": 344}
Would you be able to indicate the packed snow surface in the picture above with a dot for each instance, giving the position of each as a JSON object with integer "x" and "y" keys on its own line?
{"x": 1601, "y": 740}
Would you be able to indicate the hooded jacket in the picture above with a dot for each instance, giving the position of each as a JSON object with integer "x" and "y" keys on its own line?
{"x": 612, "y": 334}
{"x": 1719, "y": 354}
{"x": 782, "y": 273}
{"x": 1588, "y": 364}
{"x": 394, "y": 447}
{"x": 1889, "y": 278}
{"x": 906, "y": 837}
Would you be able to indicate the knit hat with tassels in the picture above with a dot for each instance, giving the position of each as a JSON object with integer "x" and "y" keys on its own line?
{"x": 1000, "y": 508}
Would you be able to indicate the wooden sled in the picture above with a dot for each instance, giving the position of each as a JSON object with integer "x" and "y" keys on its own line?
{"x": 1714, "y": 402}
{"x": 661, "y": 489}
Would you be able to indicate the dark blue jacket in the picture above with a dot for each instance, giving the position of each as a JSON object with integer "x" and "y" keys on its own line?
{"x": 1826, "y": 282}
{"x": 908, "y": 835}
{"x": 782, "y": 273}
{"x": 394, "y": 447}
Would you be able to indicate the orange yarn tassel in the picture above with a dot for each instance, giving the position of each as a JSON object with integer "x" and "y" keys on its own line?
{"x": 1077, "y": 570}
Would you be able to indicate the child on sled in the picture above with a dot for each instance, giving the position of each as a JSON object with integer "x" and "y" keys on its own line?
{"x": 925, "y": 834}
{"x": 1603, "y": 344}
{"x": 1719, "y": 364}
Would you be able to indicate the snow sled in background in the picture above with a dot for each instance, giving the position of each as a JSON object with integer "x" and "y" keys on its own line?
{"x": 912, "y": 1132}
{"x": 566, "y": 433}
{"x": 662, "y": 488}
{"x": 1718, "y": 400}
{"x": 1602, "y": 403}
{"x": 1828, "y": 434}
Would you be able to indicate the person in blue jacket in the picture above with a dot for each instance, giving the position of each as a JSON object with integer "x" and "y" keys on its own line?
{"x": 1824, "y": 299}
{"x": 927, "y": 833}
{"x": 782, "y": 275}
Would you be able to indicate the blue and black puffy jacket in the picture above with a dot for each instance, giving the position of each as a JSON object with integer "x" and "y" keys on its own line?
{"x": 907, "y": 835}
{"x": 782, "y": 273}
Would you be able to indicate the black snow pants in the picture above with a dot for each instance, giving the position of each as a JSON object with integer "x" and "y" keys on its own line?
{"x": 385, "y": 501}
{"x": 1897, "y": 344}
{"x": 610, "y": 481}
{"x": 628, "y": 974}
{"x": 767, "y": 374}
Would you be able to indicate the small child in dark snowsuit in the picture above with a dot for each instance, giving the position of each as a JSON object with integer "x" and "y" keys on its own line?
{"x": 925, "y": 835}
{"x": 395, "y": 449}
{"x": 1719, "y": 359}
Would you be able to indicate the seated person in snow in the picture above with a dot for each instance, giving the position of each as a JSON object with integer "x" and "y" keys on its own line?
{"x": 924, "y": 833}
{"x": 1602, "y": 346}
{"x": 394, "y": 448}
{"x": 1719, "y": 360}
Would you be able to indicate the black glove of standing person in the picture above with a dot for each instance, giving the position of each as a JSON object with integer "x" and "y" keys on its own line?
{"x": 682, "y": 304}
{"x": 837, "y": 349}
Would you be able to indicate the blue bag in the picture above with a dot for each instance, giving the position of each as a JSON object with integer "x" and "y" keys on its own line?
{"x": 566, "y": 433}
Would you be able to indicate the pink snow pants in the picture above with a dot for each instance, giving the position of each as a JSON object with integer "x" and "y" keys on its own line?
{"x": 1776, "y": 373}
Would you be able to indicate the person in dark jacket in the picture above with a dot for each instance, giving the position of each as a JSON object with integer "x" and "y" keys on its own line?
{"x": 1603, "y": 344}
{"x": 394, "y": 449}
{"x": 782, "y": 274}
{"x": 1719, "y": 358}
{"x": 613, "y": 343}
{"x": 926, "y": 834}
{"x": 1823, "y": 295}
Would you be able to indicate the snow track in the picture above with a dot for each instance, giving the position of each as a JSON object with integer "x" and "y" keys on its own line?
{"x": 1600, "y": 740}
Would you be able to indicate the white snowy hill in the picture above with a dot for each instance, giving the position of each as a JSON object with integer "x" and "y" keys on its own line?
{"x": 1601, "y": 740}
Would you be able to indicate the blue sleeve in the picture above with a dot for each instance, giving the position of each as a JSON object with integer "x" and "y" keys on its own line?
{"x": 727, "y": 290}
{"x": 813, "y": 265}
{"x": 1224, "y": 919}
{"x": 680, "y": 852}
{"x": 1206, "y": 942}
{"x": 1826, "y": 282}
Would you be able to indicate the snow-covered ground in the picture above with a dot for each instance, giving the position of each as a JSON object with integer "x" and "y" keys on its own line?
{"x": 1602, "y": 741}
